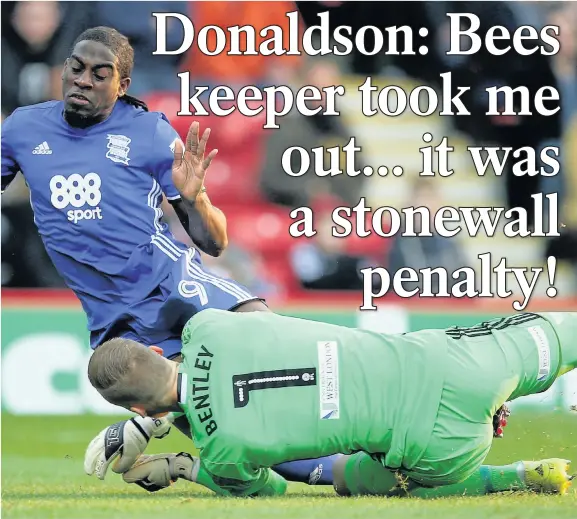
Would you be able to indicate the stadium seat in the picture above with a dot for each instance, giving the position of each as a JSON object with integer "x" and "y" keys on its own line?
{"x": 372, "y": 246}
{"x": 233, "y": 178}
{"x": 279, "y": 270}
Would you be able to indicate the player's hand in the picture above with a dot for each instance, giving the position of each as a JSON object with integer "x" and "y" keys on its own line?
{"x": 121, "y": 444}
{"x": 156, "y": 472}
{"x": 190, "y": 165}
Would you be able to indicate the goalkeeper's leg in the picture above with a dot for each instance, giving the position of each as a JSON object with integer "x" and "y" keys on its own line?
{"x": 563, "y": 332}
{"x": 548, "y": 353}
{"x": 544, "y": 476}
{"x": 359, "y": 474}
{"x": 565, "y": 327}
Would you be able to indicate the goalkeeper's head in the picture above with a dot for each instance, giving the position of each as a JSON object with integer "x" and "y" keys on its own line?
{"x": 135, "y": 377}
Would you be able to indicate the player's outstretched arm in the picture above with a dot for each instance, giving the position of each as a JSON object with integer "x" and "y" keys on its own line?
{"x": 204, "y": 223}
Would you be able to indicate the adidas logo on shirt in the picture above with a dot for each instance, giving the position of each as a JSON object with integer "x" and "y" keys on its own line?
{"x": 42, "y": 149}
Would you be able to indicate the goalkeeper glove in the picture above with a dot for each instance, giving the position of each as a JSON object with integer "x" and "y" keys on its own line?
{"x": 156, "y": 472}
{"x": 122, "y": 443}
{"x": 153, "y": 473}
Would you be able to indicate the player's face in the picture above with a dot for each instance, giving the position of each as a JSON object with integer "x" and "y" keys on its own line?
{"x": 91, "y": 83}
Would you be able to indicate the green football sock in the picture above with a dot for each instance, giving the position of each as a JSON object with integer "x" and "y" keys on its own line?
{"x": 486, "y": 480}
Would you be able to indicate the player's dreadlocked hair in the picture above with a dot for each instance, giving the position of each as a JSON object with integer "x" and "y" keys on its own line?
{"x": 121, "y": 48}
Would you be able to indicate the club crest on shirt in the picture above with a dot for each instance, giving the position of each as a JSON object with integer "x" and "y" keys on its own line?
{"x": 118, "y": 148}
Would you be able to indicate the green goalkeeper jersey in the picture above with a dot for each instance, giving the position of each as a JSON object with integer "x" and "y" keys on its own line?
{"x": 260, "y": 389}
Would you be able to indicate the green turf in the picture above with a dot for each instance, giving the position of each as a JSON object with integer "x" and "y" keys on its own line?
{"x": 42, "y": 477}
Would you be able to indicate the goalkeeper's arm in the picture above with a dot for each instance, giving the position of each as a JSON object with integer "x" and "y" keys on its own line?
{"x": 244, "y": 480}
{"x": 159, "y": 471}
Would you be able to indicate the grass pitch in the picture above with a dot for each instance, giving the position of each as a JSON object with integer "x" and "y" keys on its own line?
{"x": 43, "y": 477}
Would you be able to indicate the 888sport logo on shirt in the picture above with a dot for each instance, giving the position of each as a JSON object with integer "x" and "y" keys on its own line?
{"x": 80, "y": 192}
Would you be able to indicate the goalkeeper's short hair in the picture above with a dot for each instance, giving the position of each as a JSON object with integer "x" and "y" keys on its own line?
{"x": 126, "y": 373}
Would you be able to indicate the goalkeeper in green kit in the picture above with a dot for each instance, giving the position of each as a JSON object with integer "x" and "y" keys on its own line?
{"x": 411, "y": 414}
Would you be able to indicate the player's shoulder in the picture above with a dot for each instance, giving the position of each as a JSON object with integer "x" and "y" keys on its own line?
{"x": 17, "y": 128}
{"x": 163, "y": 126}
{"x": 24, "y": 114}
{"x": 154, "y": 122}
{"x": 144, "y": 116}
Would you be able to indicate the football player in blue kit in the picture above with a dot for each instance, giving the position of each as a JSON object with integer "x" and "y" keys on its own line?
{"x": 97, "y": 165}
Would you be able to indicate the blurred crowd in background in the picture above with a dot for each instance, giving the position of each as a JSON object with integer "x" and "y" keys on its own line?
{"x": 246, "y": 180}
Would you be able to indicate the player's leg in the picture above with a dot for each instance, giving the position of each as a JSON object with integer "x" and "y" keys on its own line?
{"x": 457, "y": 447}
{"x": 487, "y": 365}
{"x": 317, "y": 471}
{"x": 360, "y": 474}
{"x": 538, "y": 351}
{"x": 544, "y": 476}
{"x": 195, "y": 289}
{"x": 565, "y": 326}
{"x": 473, "y": 390}
{"x": 504, "y": 359}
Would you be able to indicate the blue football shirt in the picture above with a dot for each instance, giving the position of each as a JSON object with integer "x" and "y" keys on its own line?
{"x": 96, "y": 195}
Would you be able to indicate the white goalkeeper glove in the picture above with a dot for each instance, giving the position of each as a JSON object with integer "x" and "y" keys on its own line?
{"x": 156, "y": 472}
{"x": 122, "y": 443}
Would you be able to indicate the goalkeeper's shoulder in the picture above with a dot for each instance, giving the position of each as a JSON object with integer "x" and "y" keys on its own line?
{"x": 203, "y": 325}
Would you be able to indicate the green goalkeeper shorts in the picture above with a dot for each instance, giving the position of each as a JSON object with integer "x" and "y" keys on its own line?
{"x": 488, "y": 365}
